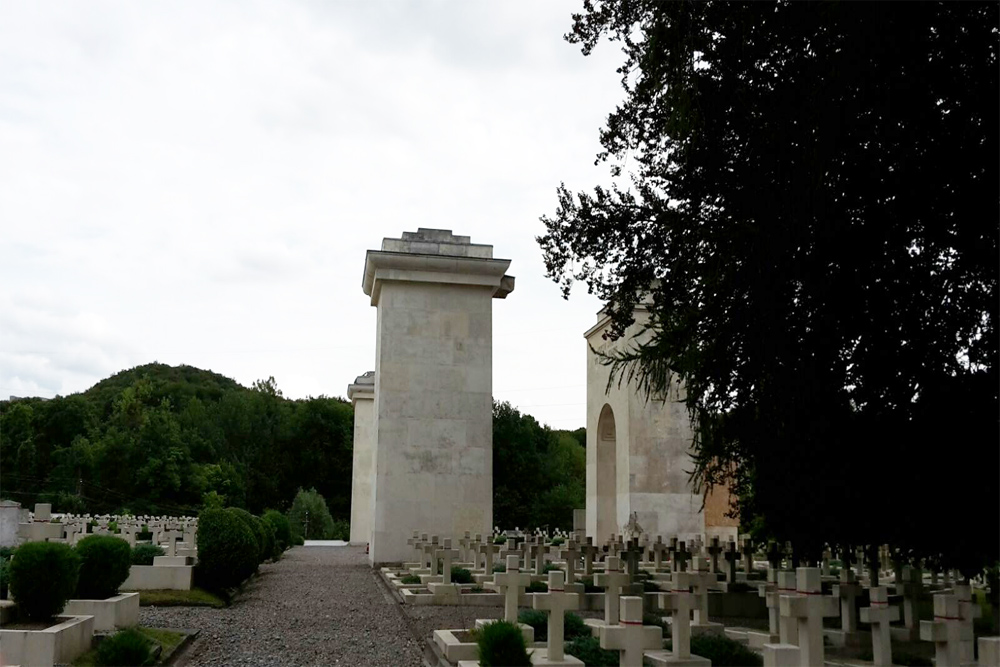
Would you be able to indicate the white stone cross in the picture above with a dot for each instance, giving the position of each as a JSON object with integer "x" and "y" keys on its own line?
{"x": 415, "y": 542}
{"x": 488, "y": 549}
{"x": 680, "y": 601}
{"x": 447, "y": 555}
{"x": 556, "y": 602}
{"x": 747, "y": 549}
{"x": 879, "y": 615}
{"x": 589, "y": 551}
{"x": 537, "y": 551}
{"x": 658, "y": 548}
{"x": 612, "y": 579}
{"x": 788, "y": 627}
{"x": 968, "y": 610}
{"x": 911, "y": 586}
{"x": 945, "y": 630}
{"x": 701, "y": 579}
{"x": 429, "y": 549}
{"x": 571, "y": 555}
{"x": 171, "y": 537}
{"x": 631, "y": 638}
{"x": 464, "y": 544}
{"x": 846, "y": 591}
{"x": 809, "y": 606}
{"x": 511, "y": 583}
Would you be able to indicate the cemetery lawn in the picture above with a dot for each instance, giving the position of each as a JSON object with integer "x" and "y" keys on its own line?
{"x": 166, "y": 639}
{"x": 196, "y": 597}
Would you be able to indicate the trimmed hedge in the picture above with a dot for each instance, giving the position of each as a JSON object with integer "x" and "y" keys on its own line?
{"x": 126, "y": 648}
{"x": 282, "y": 529}
{"x": 43, "y": 577}
{"x": 227, "y": 549}
{"x": 501, "y": 644}
{"x": 143, "y": 554}
{"x": 104, "y": 565}
{"x": 256, "y": 529}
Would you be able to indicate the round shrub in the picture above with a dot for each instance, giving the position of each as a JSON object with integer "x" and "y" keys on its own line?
{"x": 459, "y": 575}
{"x": 501, "y": 644}
{"x": 724, "y": 651}
{"x": 255, "y": 529}
{"x": 537, "y": 619}
{"x": 282, "y": 529}
{"x": 126, "y": 648}
{"x": 588, "y": 649}
{"x": 4, "y": 577}
{"x": 227, "y": 549}
{"x": 537, "y": 587}
{"x": 43, "y": 577}
{"x": 143, "y": 554}
{"x": 557, "y": 540}
{"x": 298, "y": 540}
{"x": 310, "y": 517}
{"x": 499, "y": 539}
{"x": 104, "y": 566}
{"x": 573, "y": 626}
{"x": 270, "y": 550}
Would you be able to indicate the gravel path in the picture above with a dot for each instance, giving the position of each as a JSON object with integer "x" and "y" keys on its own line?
{"x": 316, "y": 606}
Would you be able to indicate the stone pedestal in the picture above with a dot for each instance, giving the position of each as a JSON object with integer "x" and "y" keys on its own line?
{"x": 433, "y": 406}
{"x": 362, "y": 396}
{"x": 9, "y": 518}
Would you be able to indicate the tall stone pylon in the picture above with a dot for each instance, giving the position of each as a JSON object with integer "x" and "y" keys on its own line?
{"x": 361, "y": 394}
{"x": 433, "y": 412}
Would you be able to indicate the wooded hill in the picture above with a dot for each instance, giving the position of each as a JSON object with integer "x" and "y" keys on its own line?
{"x": 157, "y": 439}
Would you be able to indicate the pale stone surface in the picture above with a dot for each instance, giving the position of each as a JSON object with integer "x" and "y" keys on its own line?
{"x": 362, "y": 396}
{"x": 62, "y": 643}
{"x": 630, "y": 638}
{"x": 989, "y": 651}
{"x": 879, "y": 615}
{"x": 433, "y": 387}
{"x": 159, "y": 577}
{"x": 637, "y": 451}
{"x": 945, "y": 630}
{"x": 120, "y": 611}
{"x": 9, "y": 518}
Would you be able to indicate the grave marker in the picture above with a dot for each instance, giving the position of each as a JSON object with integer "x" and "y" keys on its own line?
{"x": 556, "y": 603}
{"x": 631, "y": 637}
{"x": 880, "y": 615}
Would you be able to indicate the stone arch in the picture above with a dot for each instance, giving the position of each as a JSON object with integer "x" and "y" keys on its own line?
{"x": 607, "y": 475}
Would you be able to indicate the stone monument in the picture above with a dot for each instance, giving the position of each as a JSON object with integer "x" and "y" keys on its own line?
{"x": 433, "y": 405}
{"x": 362, "y": 396}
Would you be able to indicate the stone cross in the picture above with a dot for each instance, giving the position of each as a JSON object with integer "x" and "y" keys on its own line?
{"x": 416, "y": 543}
{"x": 429, "y": 549}
{"x": 171, "y": 537}
{"x": 747, "y": 550}
{"x": 968, "y": 611}
{"x": 630, "y": 556}
{"x": 488, "y": 549}
{"x": 945, "y": 630}
{"x": 681, "y": 557}
{"x": 630, "y": 638}
{"x": 714, "y": 549}
{"x": 511, "y": 583}
{"x": 732, "y": 557}
{"x": 556, "y": 602}
{"x": 464, "y": 545}
{"x": 825, "y": 562}
{"x": 447, "y": 554}
{"x": 571, "y": 555}
{"x": 613, "y": 579}
{"x": 537, "y": 552}
{"x": 700, "y": 579}
{"x": 589, "y": 551}
{"x": 680, "y": 602}
{"x": 847, "y": 590}
{"x": 808, "y": 607}
{"x": 770, "y": 593}
{"x": 774, "y": 554}
{"x": 911, "y": 586}
{"x": 658, "y": 548}
{"x": 880, "y": 615}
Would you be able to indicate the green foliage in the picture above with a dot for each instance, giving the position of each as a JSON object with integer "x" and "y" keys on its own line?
{"x": 256, "y": 529}
{"x": 104, "y": 566}
{"x": 212, "y": 499}
{"x": 557, "y": 540}
{"x": 143, "y": 554}
{"x": 537, "y": 587}
{"x": 4, "y": 577}
{"x": 43, "y": 577}
{"x": 500, "y": 539}
{"x": 650, "y": 587}
{"x": 282, "y": 529}
{"x": 528, "y": 457}
{"x": 410, "y": 579}
{"x": 792, "y": 257}
{"x": 341, "y": 530}
{"x": 589, "y": 586}
{"x": 298, "y": 540}
{"x": 459, "y": 575}
{"x": 499, "y": 567}
{"x": 549, "y": 567}
{"x": 588, "y": 649}
{"x": 309, "y": 516}
{"x": 649, "y": 618}
{"x": 501, "y": 644}
{"x": 538, "y": 620}
{"x": 271, "y": 550}
{"x": 723, "y": 651}
{"x": 125, "y": 648}
{"x": 227, "y": 549}
{"x": 573, "y": 626}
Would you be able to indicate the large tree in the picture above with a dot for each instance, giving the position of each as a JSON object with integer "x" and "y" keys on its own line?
{"x": 807, "y": 195}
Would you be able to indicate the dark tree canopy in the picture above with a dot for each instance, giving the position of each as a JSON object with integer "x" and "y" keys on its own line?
{"x": 807, "y": 193}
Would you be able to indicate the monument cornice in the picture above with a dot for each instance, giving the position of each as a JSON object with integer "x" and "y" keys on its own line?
{"x": 382, "y": 266}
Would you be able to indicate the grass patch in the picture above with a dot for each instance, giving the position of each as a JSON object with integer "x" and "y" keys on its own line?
{"x": 169, "y": 641}
{"x": 196, "y": 597}
{"x": 410, "y": 580}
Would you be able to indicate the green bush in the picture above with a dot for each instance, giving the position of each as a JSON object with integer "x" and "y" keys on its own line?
{"x": 282, "y": 529}
{"x": 270, "y": 541}
{"x": 310, "y": 504}
{"x": 126, "y": 648}
{"x": 501, "y": 644}
{"x": 341, "y": 530}
{"x": 588, "y": 649}
{"x": 410, "y": 579}
{"x": 499, "y": 539}
{"x": 143, "y": 554}
{"x": 227, "y": 549}
{"x": 43, "y": 577}
{"x": 459, "y": 575}
{"x": 589, "y": 586}
{"x": 104, "y": 564}
{"x": 724, "y": 652}
{"x": 4, "y": 577}
{"x": 656, "y": 619}
{"x": 557, "y": 540}
{"x": 650, "y": 587}
{"x": 6, "y": 552}
{"x": 537, "y": 619}
{"x": 573, "y": 626}
{"x": 298, "y": 540}
{"x": 549, "y": 567}
{"x": 499, "y": 567}
{"x": 537, "y": 587}
{"x": 257, "y": 530}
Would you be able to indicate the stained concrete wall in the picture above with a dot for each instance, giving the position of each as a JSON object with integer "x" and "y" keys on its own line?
{"x": 362, "y": 396}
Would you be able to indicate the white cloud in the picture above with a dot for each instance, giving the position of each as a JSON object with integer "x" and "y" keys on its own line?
{"x": 198, "y": 182}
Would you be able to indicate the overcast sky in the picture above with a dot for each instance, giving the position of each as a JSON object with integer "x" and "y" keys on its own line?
{"x": 198, "y": 182}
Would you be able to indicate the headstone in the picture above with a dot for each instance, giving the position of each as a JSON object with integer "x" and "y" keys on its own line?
{"x": 571, "y": 556}
{"x": 43, "y": 512}
{"x": 910, "y": 586}
{"x": 446, "y": 556}
{"x": 658, "y": 548}
{"x": 488, "y": 550}
{"x": 747, "y": 550}
{"x": 879, "y": 614}
{"x": 556, "y": 602}
{"x": 589, "y": 551}
{"x": 945, "y": 630}
{"x": 681, "y": 557}
{"x": 680, "y": 602}
{"x": 10, "y": 517}
{"x": 809, "y": 606}
{"x": 788, "y": 626}
{"x": 847, "y": 591}
{"x": 732, "y": 557}
{"x": 510, "y": 584}
{"x": 714, "y": 551}
{"x": 631, "y": 637}
{"x": 968, "y": 611}
{"x": 612, "y": 579}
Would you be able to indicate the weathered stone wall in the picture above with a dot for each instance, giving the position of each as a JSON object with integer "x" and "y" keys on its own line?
{"x": 363, "y": 469}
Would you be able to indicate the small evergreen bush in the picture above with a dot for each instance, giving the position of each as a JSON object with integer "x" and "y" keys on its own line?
{"x": 501, "y": 644}
{"x": 557, "y": 540}
{"x": 499, "y": 539}
{"x": 538, "y": 620}
{"x": 4, "y": 577}
{"x": 573, "y": 626}
{"x": 282, "y": 529}
{"x": 43, "y": 577}
{"x": 656, "y": 619}
{"x": 104, "y": 565}
{"x": 537, "y": 587}
{"x": 410, "y": 579}
{"x": 341, "y": 530}
{"x": 227, "y": 549}
{"x": 549, "y": 567}
{"x": 499, "y": 567}
{"x": 298, "y": 540}
{"x": 588, "y": 649}
{"x": 126, "y": 648}
{"x": 320, "y": 523}
{"x": 589, "y": 586}
{"x": 459, "y": 575}
{"x": 270, "y": 540}
{"x": 143, "y": 554}
{"x": 724, "y": 652}
{"x": 650, "y": 587}
{"x": 257, "y": 529}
